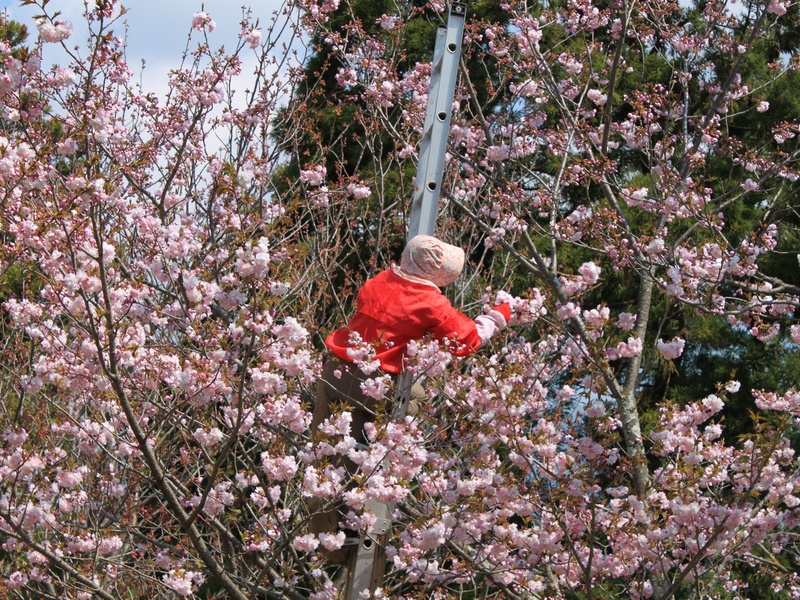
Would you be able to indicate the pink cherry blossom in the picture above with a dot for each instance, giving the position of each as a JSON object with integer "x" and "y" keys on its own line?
{"x": 182, "y": 582}
{"x": 359, "y": 191}
{"x": 626, "y": 321}
{"x": 672, "y": 349}
{"x": 313, "y": 177}
{"x": 387, "y": 21}
{"x": 749, "y": 185}
{"x": 590, "y": 272}
{"x": 597, "y": 97}
{"x": 203, "y": 22}
{"x": 54, "y": 32}
{"x": 252, "y": 38}
{"x": 777, "y": 8}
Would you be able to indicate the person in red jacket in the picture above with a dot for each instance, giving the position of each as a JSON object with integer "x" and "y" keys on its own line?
{"x": 398, "y": 305}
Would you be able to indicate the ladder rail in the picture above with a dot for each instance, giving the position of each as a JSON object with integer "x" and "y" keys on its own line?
{"x": 366, "y": 569}
{"x": 368, "y": 563}
{"x": 419, "y": 221}
{"x": 438, "y": 114}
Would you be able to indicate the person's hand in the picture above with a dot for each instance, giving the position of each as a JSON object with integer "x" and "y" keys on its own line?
{"x": 494, "y": 321}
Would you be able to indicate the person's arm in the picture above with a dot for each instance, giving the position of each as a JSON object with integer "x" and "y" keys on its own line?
{"x": 470, "y": 334}
{"x": 493, "y": 322}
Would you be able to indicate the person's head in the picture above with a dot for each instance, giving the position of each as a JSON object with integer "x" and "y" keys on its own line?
{"x": 431, "y": 259}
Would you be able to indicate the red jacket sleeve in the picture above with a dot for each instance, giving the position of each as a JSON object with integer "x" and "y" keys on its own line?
{"x": 456, "y": 327}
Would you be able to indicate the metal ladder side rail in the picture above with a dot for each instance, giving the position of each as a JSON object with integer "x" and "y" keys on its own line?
{"x": 438, "y": 114}
{"x": 419, "y": 219}
{"x": 366, "y": 569}
{"x": 368, "y": 563}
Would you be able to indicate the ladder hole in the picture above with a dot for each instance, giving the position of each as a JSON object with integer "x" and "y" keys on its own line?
{"x": 442, "y": 116}
{"x": 451, "y": 47}
{"x": 367, "y": 543}
{"x": 432, "y": 186}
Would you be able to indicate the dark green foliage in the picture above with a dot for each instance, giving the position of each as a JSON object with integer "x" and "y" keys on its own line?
{"x": 16, "y": 34}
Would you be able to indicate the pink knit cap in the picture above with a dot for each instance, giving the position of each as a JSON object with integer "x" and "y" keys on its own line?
{"x": 429, "y": 258}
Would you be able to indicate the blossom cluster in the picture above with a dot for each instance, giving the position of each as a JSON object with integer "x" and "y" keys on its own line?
{"x": 167, "y": 296}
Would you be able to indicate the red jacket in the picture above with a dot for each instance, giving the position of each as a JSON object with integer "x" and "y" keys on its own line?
{"x": 392, "y": 311}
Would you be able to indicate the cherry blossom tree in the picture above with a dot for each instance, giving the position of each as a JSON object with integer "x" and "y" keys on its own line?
{"x": 171, "y": 264}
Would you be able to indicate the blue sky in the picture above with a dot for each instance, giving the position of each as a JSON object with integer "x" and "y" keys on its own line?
{"x": 157, "y": 29}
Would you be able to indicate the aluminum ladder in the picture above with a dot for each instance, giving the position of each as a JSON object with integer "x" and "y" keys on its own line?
{"x": 367, "y": 566}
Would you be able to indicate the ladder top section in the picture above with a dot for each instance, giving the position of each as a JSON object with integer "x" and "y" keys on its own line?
{"x": 458, "y": 8}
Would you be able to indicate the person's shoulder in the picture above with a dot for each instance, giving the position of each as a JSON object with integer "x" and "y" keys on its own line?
{"x": 378, "y": 282}
{"x": 410, "y": 284}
